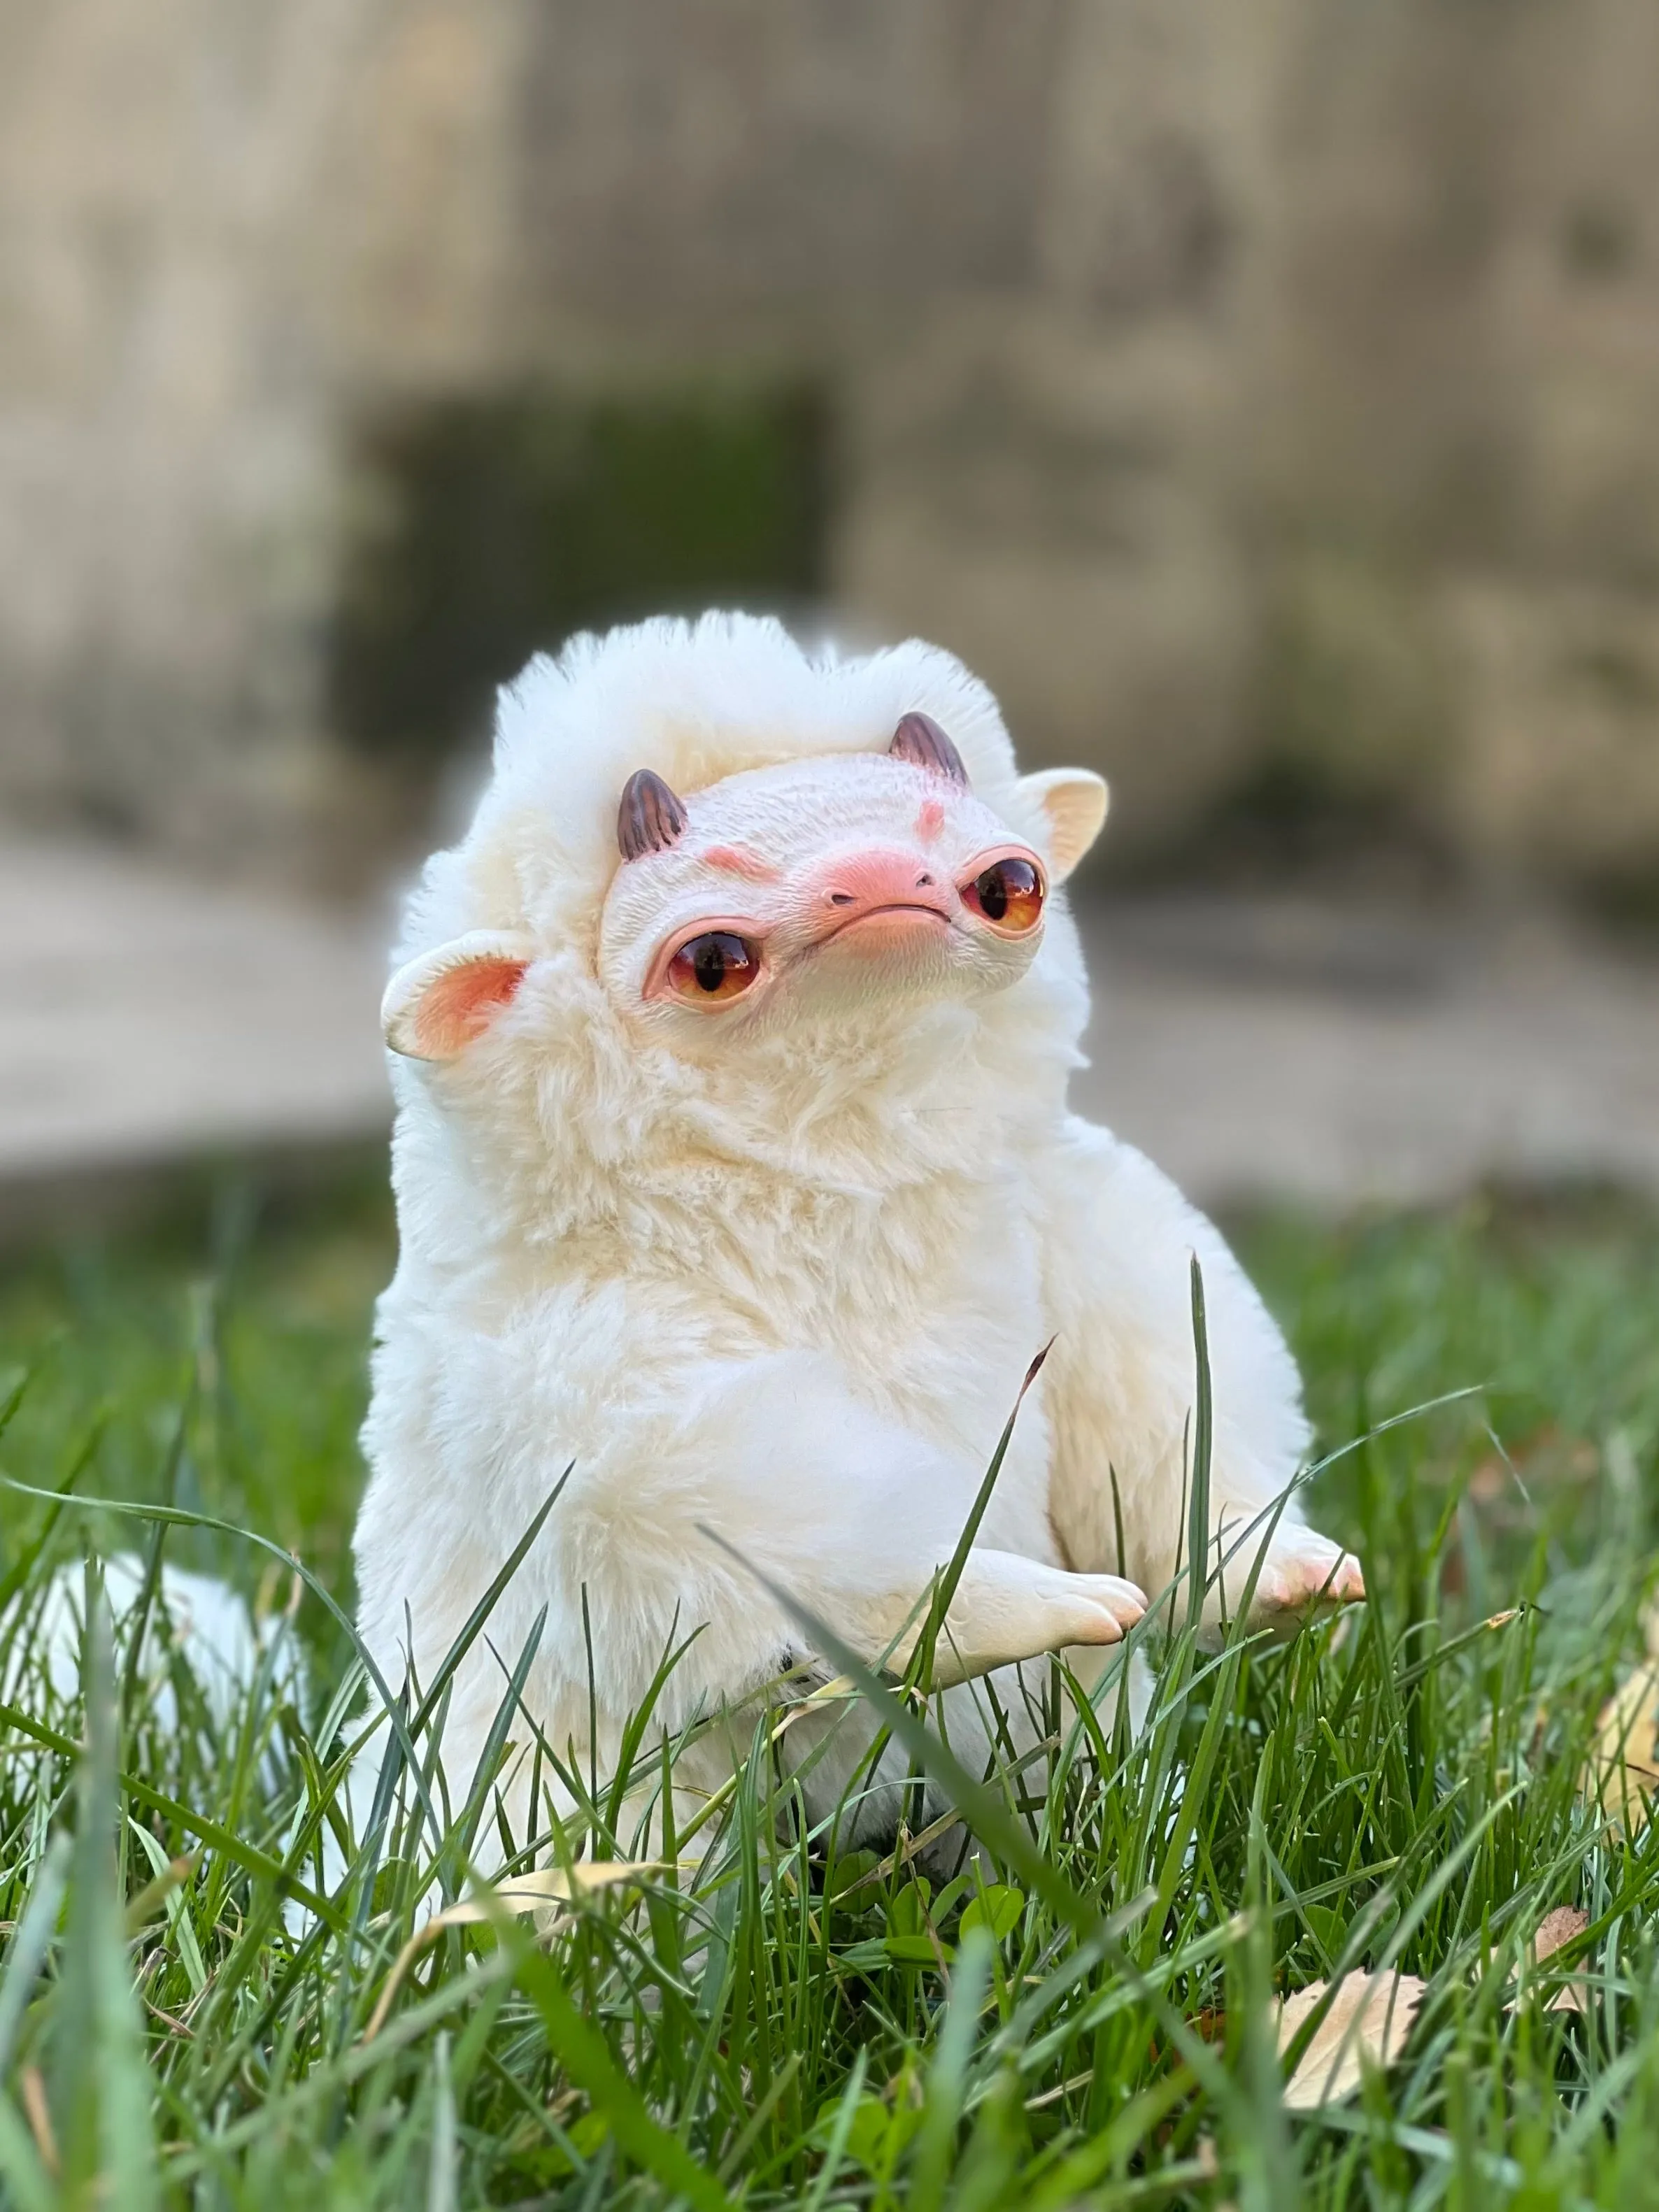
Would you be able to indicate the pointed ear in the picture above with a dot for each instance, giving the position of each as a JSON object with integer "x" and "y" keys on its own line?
{"x": 436, "y": 1005}
{"x": 1074, "y": 801}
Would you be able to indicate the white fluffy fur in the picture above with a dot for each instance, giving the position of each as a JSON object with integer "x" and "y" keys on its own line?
{"x": 776, "y": 1276}
{"x": 201, "y": 1620}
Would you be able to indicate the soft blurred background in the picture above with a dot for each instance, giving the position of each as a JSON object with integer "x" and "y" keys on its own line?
{"x": 1262, "y": 394}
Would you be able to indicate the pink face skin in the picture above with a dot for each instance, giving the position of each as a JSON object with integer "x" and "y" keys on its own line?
{"x": 822, "y": 884}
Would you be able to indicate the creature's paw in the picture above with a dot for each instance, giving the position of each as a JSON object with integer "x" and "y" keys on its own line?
{"x": 1302, "y": 1569}
{"x": 1088, "y": 1608}
{"x": 1008, "y": 1607}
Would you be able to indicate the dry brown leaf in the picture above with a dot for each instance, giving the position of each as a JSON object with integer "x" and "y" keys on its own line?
{"x": 541, "y": 1893}
{"x": 1369, "y": 2021}
{"x": 546, "y": 1887}
{"x": 39, "y": 2114}
{"x": 1623, "y": 1772}
{"x": 838, "y": 1691}
{"x": 1555, "y": 1930}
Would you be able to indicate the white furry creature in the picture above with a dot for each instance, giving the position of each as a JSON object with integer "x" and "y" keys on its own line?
{"x": 734, "y": 1171}
{"x": 194, "y": 1618}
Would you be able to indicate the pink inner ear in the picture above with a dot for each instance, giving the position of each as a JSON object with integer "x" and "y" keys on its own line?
{"x": 462, "y": 1004}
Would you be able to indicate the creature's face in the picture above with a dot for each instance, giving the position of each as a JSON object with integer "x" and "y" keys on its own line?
{"x": 807, "y": 891}
{"x": 816, "y": 886}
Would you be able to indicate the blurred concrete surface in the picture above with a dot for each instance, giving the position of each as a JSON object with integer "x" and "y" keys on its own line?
{"x": 1281, "y": 1048}
{"x": 1255, "y": 1046}
{"x": 145, "y": 1017}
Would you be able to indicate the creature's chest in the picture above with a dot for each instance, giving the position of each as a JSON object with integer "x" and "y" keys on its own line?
{"x": 930, "y": 1299}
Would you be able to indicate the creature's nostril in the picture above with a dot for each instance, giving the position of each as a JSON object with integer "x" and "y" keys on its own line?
{"x": 841, "y": 899}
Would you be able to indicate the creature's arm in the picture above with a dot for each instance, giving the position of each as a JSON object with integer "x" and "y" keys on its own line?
{"x": 1120, "y": 1385}
{"x": 832, "y": 1503}
{"x": 773, "y": 1458}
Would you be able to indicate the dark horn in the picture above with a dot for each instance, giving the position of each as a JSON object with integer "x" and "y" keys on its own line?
{"x": 650, "y": 819}
{"x": 919, "y": 738}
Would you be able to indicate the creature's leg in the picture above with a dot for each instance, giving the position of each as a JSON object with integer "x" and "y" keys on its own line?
{"x": 1121, "y": 1388}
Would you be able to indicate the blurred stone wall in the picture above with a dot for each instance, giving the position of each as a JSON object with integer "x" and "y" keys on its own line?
{"x": 1462, "y": 378}
{"x": 1262, "y": 392}
{"x": 219, "y": 223}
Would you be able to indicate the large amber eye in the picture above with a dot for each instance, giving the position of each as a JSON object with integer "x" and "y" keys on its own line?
{"x": 1009, "y": 893}
{"x": 716, "y": 965}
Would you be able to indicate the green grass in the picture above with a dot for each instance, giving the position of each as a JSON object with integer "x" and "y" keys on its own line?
{"x": 790, "y": 2023}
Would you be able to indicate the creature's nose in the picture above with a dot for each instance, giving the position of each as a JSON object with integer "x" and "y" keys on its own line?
{"x": 856, "y": 884}
{"x": 869, "y": 880}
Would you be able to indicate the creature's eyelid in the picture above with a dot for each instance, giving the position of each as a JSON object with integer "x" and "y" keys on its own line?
{"x": 728, "y": 929}
{"x": 706, "y": 925}
{"x": 1007, "y": 848}
{"x": 993, "y": 889}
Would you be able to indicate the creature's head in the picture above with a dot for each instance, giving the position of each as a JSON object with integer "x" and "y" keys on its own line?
{"x": 818, "y": 886}
{"x": 796, "y": 850}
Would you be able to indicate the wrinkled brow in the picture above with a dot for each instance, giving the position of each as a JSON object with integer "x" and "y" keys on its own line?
{"x": 740, "y": 861}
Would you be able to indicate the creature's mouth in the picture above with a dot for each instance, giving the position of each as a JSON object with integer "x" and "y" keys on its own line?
{"x": 902, "y": 918}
